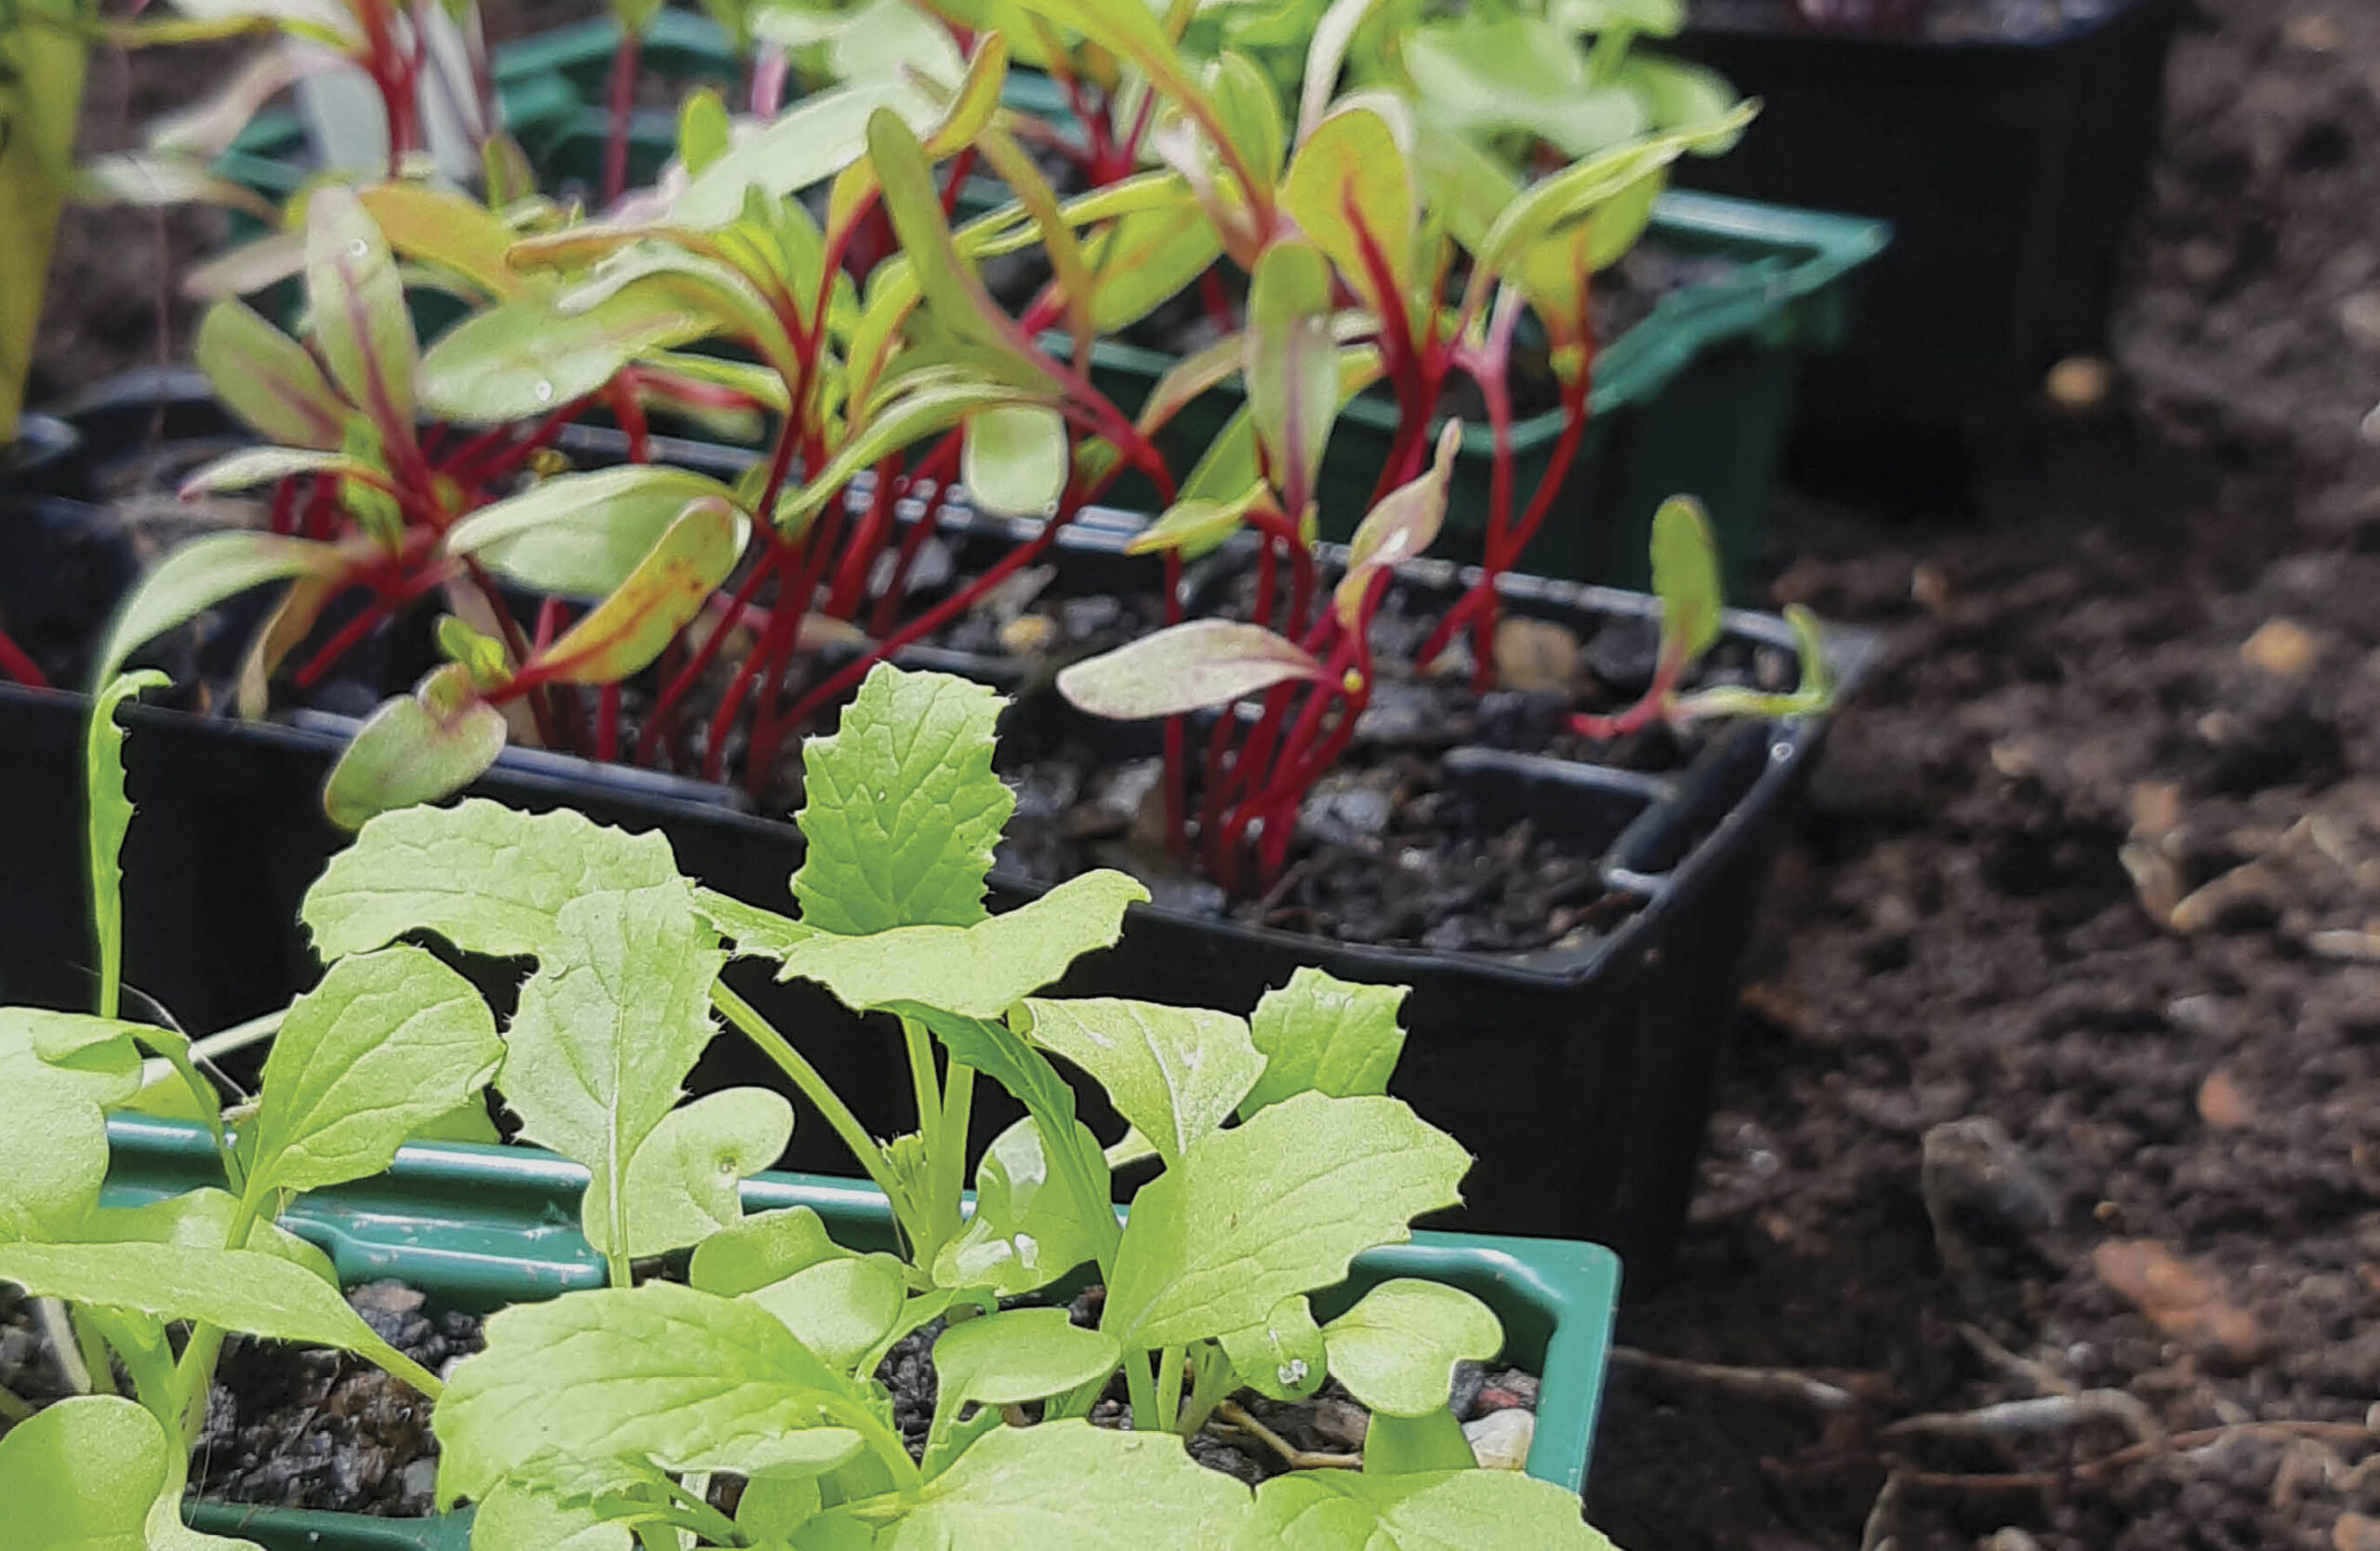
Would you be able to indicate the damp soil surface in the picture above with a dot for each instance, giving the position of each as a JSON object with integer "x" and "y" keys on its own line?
{"x": 2058, "y": 1081}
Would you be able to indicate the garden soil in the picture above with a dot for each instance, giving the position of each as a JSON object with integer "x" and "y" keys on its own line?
{"x": 2043, "y": 1205}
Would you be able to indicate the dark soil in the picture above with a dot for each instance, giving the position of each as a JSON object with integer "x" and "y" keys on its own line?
{"x": 1934, "y": 21}
{"x": 2061, "y": 1070}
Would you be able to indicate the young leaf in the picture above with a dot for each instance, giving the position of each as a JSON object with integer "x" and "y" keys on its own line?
{"x": 1352, "y": 158}
{"x": 96, "y": 1473}
{"x": 417, "y": 747}
{"x": 1031, "y": 1226}
{"x": 1283, "y": 1356}
{"x": 388, "y": 1042}
{"x": 704, "y": 131}
{"x": 445, "y": 231}
{"x": 817, "y": 139}
{"x": 244, "y": 471}
{"x": 1276, "y": 1206}
{"x": 1025, "y": 1487}
{"x": 751, "y": 1252}
{"x": 1812, "y": 696}
{"x": 1396, "y": 1350}
{"x": 201, "y": 1219}
{"x": 1344, "y": 1510}
{"x": 839, "y": 1308}
{"x": 751, "y": 932}
{"x": 1397, "y": 1445}
{"x": 1014, "y": 459}
{"x": 61, "y": 1071}
{"x": 606, "y": 1031}
{"x": 656, "y": 599}
{"x": 248, "y": 1290}
{"x": 486, "y": 877}
{"x": 1487, "y": 75}
{"x": 584, "y": 534}
{"x": 1292, "y": 368}
{"x": 685, "y": 1379}
{"x": 1015, "y": 1355}
{"x": 1686, "y": 579}
{"x": 1401, "y": 526}
{"x": 1184, "y": 668}
{"x": 953, "y": 291}
{"x": 267, "y": 379}
{"x": 515, "y": 1518}
{"x": 924, "y": 410}
{"x": 111, "y": 819}
{"x": 1324, "y": 1035}
{"x": 1145, "y": 259}
{"x": 685, "y": 1178}
{"x": 1176, "y": 1073}
{"x": 202, "y": 572}
{"x": 1579, "y": 190}
{"x": 901, "y": 808}
{"x": 976, "y": 972}
{"x": 358, "y": 303}
{"x": 529, "y": 357}
{"x": 1197, "y": 527}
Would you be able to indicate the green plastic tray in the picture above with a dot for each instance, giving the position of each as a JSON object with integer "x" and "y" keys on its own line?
{"x": 478, "y": 1228}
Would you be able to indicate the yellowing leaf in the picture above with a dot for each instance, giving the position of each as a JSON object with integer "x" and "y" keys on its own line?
{"x": 665, "y": 590}
{"x": 1184, "y": 667}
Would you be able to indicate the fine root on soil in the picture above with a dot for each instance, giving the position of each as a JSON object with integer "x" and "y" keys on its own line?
{"x": 1234, "y": 1413}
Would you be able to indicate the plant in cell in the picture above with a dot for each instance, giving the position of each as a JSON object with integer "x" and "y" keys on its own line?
{"x": 1280, "y": 1158}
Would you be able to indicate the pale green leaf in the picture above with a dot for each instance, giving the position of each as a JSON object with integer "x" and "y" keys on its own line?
{"x": 248, "y": 1290}
{"x": 1324, "y": 1035}
{"x": 244, "y": 471}
{"x": 109, "y": 819}
{"x": 1292, "y": 364}
{"x": 1030, "y": 1225}
{"x": 1279, "y": 1205}
{"x": 204, "y": 572}
{"x": 1456, "y": 1510}
{"x": 1282, "y": 1355}
{"x": 267, "y": 379}
{"x": 417, "y": 747}
{"x": 1176, "y": 1073}
{"x": 1025, "y": 1487}
{"x": 358, "y": 304}
{"x": 1353, "y": 158}
{"x": 1014, "y": 459}
{"x": 901, "y": 808}
{"x": 486, "y": 877}
{"x": 662, "y": 1372}
{"x": 201, "y": 1219}
{"x": 607, "y": 1029}
{"x": 749, "y": 1255}
{"x": 654, "y": 600}
{"x": 752, "y": 932}
{"x": 1403, "y": 526}
{"x": 815, "y": 139}
{"x": 1396, "y": 1349}
{"x": 685, "y": 1179}
{"x": 1198, "y": 527}
{"x": 1015, "y": 1355}
{"x": 520, "y": 1519}
{"x": 96, "y": 1473}
{"x": 979, "y": 970}
{"x": 62, "y": 1070}
{"x": 1686, "y": 579}
{"x": 529, "y": 357}
{"x": 388, "y": 1042}
{"x": 1193, "y": 666}
{"x": 840, "y": 1307}
{"x": 583, "y": 534}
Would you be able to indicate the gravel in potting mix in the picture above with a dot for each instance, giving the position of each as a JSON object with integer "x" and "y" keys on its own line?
{"x": 305, "y": 1428}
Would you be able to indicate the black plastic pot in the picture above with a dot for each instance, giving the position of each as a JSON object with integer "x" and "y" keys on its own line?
{"x": 2008, "y": 166}
{"x": 45, "y": 460}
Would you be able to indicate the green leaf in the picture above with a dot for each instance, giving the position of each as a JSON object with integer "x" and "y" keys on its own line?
{"x": 901, "y": 808}
{"x": 96, "y": 1473}
{"x": 358, "y": 304}
{"x": 1487, "y": 74}
{"x": 1686, "y": 579}
{"x": 1403, "y": 526}
{"x": 607, "y": 1029}
{"x": 753, "y": 933}
{"x": 516, "y": 1518}
{"x": 202, "y": 572}
{"x": 388, "y": 1042}
{"x": 1276, "y": 1206}
{"x": 1196, "y": 527}
{"x": 1030, "y": 1225}
{"x": 840, "y": 1307}
{"x": 655, "y": 601}
{"x": 61, "y": 1070}
{"x": 486, "y": 877}
{"x": 952, "y": 291}
{"x": 111, "y": 817}
{"x": 1145, "y": 259}
{"x": 1015, "y": 1355}
{"x": 687, "y": 1380}
{"x": 201, "y": 1219}
{"x": 1249, "y": 106}
{"x": 446, "y": 231}
{"x": 1812, "y": 696}
{"x": 244, "y": 471}
{"x": 1396, "y": 1350}
{"x": 1341, "y": 1510}
{"x": 1193, "y": 666}
{"x": 584, "y": 534}
{"x": 1292, "y": 367}
{"x": 267, "y": 379}
{"x": 925, "y": 410}
{"x": 1015, "y": 458}
{"x": 529, "y": 357}
{"x": 1416, "y": 1445}
{"x": 685, "y": 1179}
{"x": 1678, "y": 94}
{"x": 1576, "y": 192}
{"x": 1352, "y": 158}
{"x": 704, "y": 131}
{"x": 1176, "y": 1073}
{"x": 1324, "y": 1035}
{"x": 821, "y": 135}
{"x": 774, "y": 1507}
{"x": 248, "y": 1291}
{"x": 746, "y": 1255}
{"x": 976, "y": 972}
{"x": 1026, "y": 1486}
{"x": 417, "y": 747}
{"x": 1281, "y": 1356}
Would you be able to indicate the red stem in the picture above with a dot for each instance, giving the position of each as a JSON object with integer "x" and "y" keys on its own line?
{"x": 675, "y": 687}
{"x": 607, "y": 723}
{"x": 1177, "y": 774}
{"x": 21, "y": 667}
{"x": 621, "y": 99}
